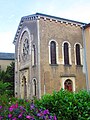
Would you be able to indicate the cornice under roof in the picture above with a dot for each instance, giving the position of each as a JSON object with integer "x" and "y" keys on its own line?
{"x": 44, "y": 16}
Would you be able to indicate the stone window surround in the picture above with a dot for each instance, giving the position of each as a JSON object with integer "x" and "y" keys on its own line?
{"x": 81, "y": 53}
{"x": 63, "y": 79}
{"x": 56, "y": 51}
{"x": 25, "y": 29}
{"x": 33, "y": 87}
{"x": 70, "y": 62}
{"x": 34, "y": 55}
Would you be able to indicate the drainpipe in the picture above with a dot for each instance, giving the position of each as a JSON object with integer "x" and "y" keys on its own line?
{"x": 85, "y": 59}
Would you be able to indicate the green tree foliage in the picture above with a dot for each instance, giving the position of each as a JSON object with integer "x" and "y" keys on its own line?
{"x": 10, "y": 72}
{"x": 2, "y": 75}
{"x": 8, "y": 76}
{"x": 4, "y": 88}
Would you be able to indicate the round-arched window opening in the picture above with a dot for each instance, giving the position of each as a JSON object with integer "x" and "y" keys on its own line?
{"x": 35, "y": 92}
{"x": 24, "y": 85}
{"x": 68, "y": 85}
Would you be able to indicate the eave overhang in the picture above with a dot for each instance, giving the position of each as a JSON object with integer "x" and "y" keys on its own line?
{"x": 45, "y": 17}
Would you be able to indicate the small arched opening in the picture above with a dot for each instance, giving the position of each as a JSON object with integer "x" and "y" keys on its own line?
{"x": 68, "y": 85}
{"x": 24, "y": 87}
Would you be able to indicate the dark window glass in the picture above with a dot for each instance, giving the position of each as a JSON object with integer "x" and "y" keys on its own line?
{"x": 53, "y": 52}
{"x": 78, "y": 60}
{"x": 68, "y": 85}
{"x": 24, "y": 87}
{"x": 66, "y": 54}
{"x": 35, "y": 92}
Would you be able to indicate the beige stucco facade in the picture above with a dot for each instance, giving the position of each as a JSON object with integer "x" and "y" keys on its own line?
{"x": 35, "y": 75}
{"x": 5, "y": 60}
{"x": 5, "y": 63}
{"x": 87, "y": 43}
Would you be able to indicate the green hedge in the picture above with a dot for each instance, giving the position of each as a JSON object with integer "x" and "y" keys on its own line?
{"x": 67, "y": 105}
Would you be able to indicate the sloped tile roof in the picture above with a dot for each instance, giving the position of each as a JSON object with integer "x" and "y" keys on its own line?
{"x": 7, "y": 56}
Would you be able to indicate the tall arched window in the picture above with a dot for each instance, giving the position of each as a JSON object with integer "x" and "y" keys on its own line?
{"x": 66, "y": 53}
{"x": 78, "y": 58}
{"x": 34, "y": 87}
{"x": 33, "y": 55}
{"x": 53, "y": 52}
{"x": 24, "y": 87}
{"x": 35, "y": 92}
{"x": 68, "y": 85}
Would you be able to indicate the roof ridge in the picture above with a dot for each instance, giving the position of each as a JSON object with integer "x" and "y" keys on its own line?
{"x": 45, "y": 16}
{"x": 54, "y": 17}
{"x": 6, "y": 56}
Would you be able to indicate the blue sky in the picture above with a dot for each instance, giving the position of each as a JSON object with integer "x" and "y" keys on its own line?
{"x": 11, "y": 12}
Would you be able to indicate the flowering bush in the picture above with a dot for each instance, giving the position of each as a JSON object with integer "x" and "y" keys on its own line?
{"x": 27, "y": 111}
{"x": 65, "y": 105}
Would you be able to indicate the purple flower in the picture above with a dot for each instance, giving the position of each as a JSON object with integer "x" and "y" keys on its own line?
{"x": 50, "y": 117}
{"x": 11, "y": 109}
{"x": 0, "y": 107}
{"x": 46, "y": 112}
{"x": 27, "y": 100}
{"x": 14, "y": 118}
{"x": 9, "y": 115}
{"x": 21, "y": 108}
{"x": 32, "y": 106}
{"x": 40, "y": 114}
{"x": 16, "y": 105}
{"x": 29, "y": 117}
{"x": 1, "y": 118}
{"x": 55, "y": 118}
{"x": 20, "y": 115}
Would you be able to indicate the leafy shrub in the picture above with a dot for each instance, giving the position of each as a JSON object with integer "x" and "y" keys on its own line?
{"x": 67, "y": 105}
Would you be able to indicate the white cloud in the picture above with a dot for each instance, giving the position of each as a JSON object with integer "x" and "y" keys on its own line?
{"x": 74, "y": 10}
{"x": 6, "y": 39}
{"x": 79, "y": 13}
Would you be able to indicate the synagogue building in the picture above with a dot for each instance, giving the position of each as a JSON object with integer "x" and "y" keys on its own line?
{"x": 51, "y": 53}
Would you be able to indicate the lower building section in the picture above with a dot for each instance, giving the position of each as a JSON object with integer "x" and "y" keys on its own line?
{"x": 27, "y": 85}
{"x": 26, "y": 88}
{"x": 24, "y": 83}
